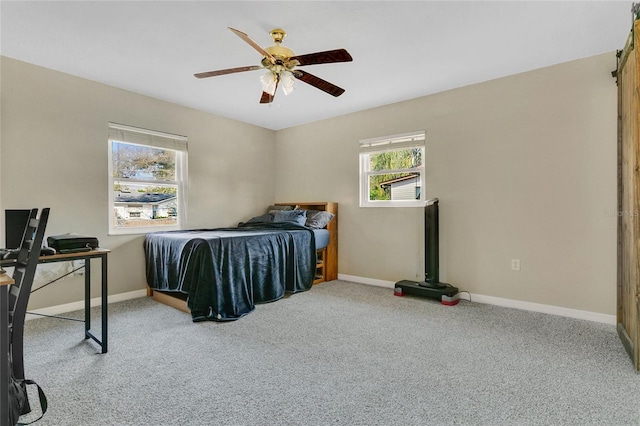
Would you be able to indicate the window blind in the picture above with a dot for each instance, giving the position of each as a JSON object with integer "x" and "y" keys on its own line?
{"x": 399, "y": 141}
{"x": 135, "y": 135}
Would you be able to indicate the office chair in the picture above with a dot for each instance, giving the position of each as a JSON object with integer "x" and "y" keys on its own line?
{"x": 23, "y": 274}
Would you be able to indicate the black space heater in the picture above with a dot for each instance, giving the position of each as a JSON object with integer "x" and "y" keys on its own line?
{"x": 431, "y": 286}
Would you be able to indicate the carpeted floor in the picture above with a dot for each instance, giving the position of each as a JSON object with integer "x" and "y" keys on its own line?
{"x": 339, "y": 354}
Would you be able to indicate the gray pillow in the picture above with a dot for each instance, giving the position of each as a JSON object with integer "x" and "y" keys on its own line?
{"x": 272, "y": 208}
{"x": 292, "y": 216}
{"x": 318, "y": 219}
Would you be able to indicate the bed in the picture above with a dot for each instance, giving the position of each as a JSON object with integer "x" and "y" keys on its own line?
{"x": 221, "y": 274}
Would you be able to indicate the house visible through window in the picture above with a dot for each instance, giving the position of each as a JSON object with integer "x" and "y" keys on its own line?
{"x": 147, "y": 180}
{"x": 392, "y": 171}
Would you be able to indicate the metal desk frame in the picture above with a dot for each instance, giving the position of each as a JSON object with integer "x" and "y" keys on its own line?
{"x": 86, "y": 256}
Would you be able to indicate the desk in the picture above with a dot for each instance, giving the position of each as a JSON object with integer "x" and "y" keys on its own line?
{"x": 5, "y": 280}
{"x": 86, "y": 256}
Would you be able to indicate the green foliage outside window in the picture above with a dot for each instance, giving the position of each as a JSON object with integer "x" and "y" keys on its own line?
{"x": 391, "y": 160}
{"x": 159, "y": 190}
{"x": 118, "y": 187}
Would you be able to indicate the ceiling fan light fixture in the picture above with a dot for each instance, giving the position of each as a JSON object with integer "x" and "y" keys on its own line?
{"x": 269, "y": 82}
{"x": 288, "y": 81}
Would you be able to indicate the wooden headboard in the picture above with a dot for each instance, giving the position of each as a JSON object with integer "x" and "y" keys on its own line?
{"x": 331, "y": 261}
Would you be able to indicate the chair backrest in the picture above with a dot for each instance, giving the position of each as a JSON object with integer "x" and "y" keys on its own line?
{"x": 23, "y": 274}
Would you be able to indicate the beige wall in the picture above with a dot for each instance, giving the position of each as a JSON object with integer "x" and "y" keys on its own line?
{"x": 524, "y": 167}
{"x": 54, "y": 154}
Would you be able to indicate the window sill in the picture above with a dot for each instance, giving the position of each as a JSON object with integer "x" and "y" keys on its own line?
{"x": 142, "y": 230}
{"x": 393, "y": 204}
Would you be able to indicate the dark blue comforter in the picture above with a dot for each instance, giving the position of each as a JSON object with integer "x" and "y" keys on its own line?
{"x": 226, "y": 271}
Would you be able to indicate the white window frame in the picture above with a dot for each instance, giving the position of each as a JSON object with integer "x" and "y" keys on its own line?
{"x": 384, "y": 144}
{"x": 137, "y": 136}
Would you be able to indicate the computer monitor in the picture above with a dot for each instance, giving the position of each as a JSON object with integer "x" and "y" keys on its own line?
{"x": 15, "y": 223}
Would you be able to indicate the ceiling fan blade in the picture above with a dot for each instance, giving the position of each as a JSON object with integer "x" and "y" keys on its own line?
{"x": 319, "y": 83}
{"x": 267, "y": 98}
{"x": 227, "y": 71}
{"x": 253, "y": 44}
{"x": 326, "y": 57}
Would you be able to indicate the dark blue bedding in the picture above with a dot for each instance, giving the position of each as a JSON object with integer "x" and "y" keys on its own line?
{"x": 226, "y": 271}
{"x": 322, "y": 237}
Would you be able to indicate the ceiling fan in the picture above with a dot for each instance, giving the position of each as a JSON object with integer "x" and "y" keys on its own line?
{"x": 282, "y": 64}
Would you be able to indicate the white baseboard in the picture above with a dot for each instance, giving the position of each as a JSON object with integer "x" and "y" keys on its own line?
{"x": 364, "y": 280}
{"x": 507, "y": 303}
{"x": 76, "y": 306}
{"x": 479, "y": 298}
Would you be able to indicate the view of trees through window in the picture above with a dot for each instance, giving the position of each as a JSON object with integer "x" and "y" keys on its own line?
{"x": 380, "y": 184}
{"x": 143, "y": 162}
{"x": 144, "y": 185}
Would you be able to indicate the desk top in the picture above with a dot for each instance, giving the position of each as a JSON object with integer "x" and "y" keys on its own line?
{"x": 97, "y": 252}
{"x": 77, "y": 255}
{"x": 6, "y": 279}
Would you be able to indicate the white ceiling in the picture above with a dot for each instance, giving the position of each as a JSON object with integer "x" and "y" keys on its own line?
{"x": 401, "y": 50}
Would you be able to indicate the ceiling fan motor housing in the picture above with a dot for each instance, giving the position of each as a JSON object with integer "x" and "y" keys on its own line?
{"x": 280, "y": 53}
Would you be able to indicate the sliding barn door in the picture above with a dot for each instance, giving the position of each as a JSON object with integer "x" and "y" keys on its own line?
{"x": 628, "y": 312}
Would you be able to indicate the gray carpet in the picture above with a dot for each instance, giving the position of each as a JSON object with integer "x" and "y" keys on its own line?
{"x": 340, "y": 354}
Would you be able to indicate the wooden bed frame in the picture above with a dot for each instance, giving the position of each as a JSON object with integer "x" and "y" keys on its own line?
{"x": 326, "y": 266}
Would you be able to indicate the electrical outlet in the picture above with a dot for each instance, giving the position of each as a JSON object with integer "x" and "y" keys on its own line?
{"x": 515, "y": 264}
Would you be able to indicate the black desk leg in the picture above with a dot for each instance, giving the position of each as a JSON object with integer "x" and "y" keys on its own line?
{"x": 87, "y": 302}
{"x": 87, "y": 298}
{"x": 103, "y": 260}
{"x": 4, "y": 356}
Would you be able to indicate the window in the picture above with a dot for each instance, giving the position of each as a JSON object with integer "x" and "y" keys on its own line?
{"x": 392, "y": 171}
{"x": 147, "y": 180}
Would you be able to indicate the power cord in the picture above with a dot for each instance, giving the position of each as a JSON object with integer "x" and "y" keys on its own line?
{"x": 469, "y": 294}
